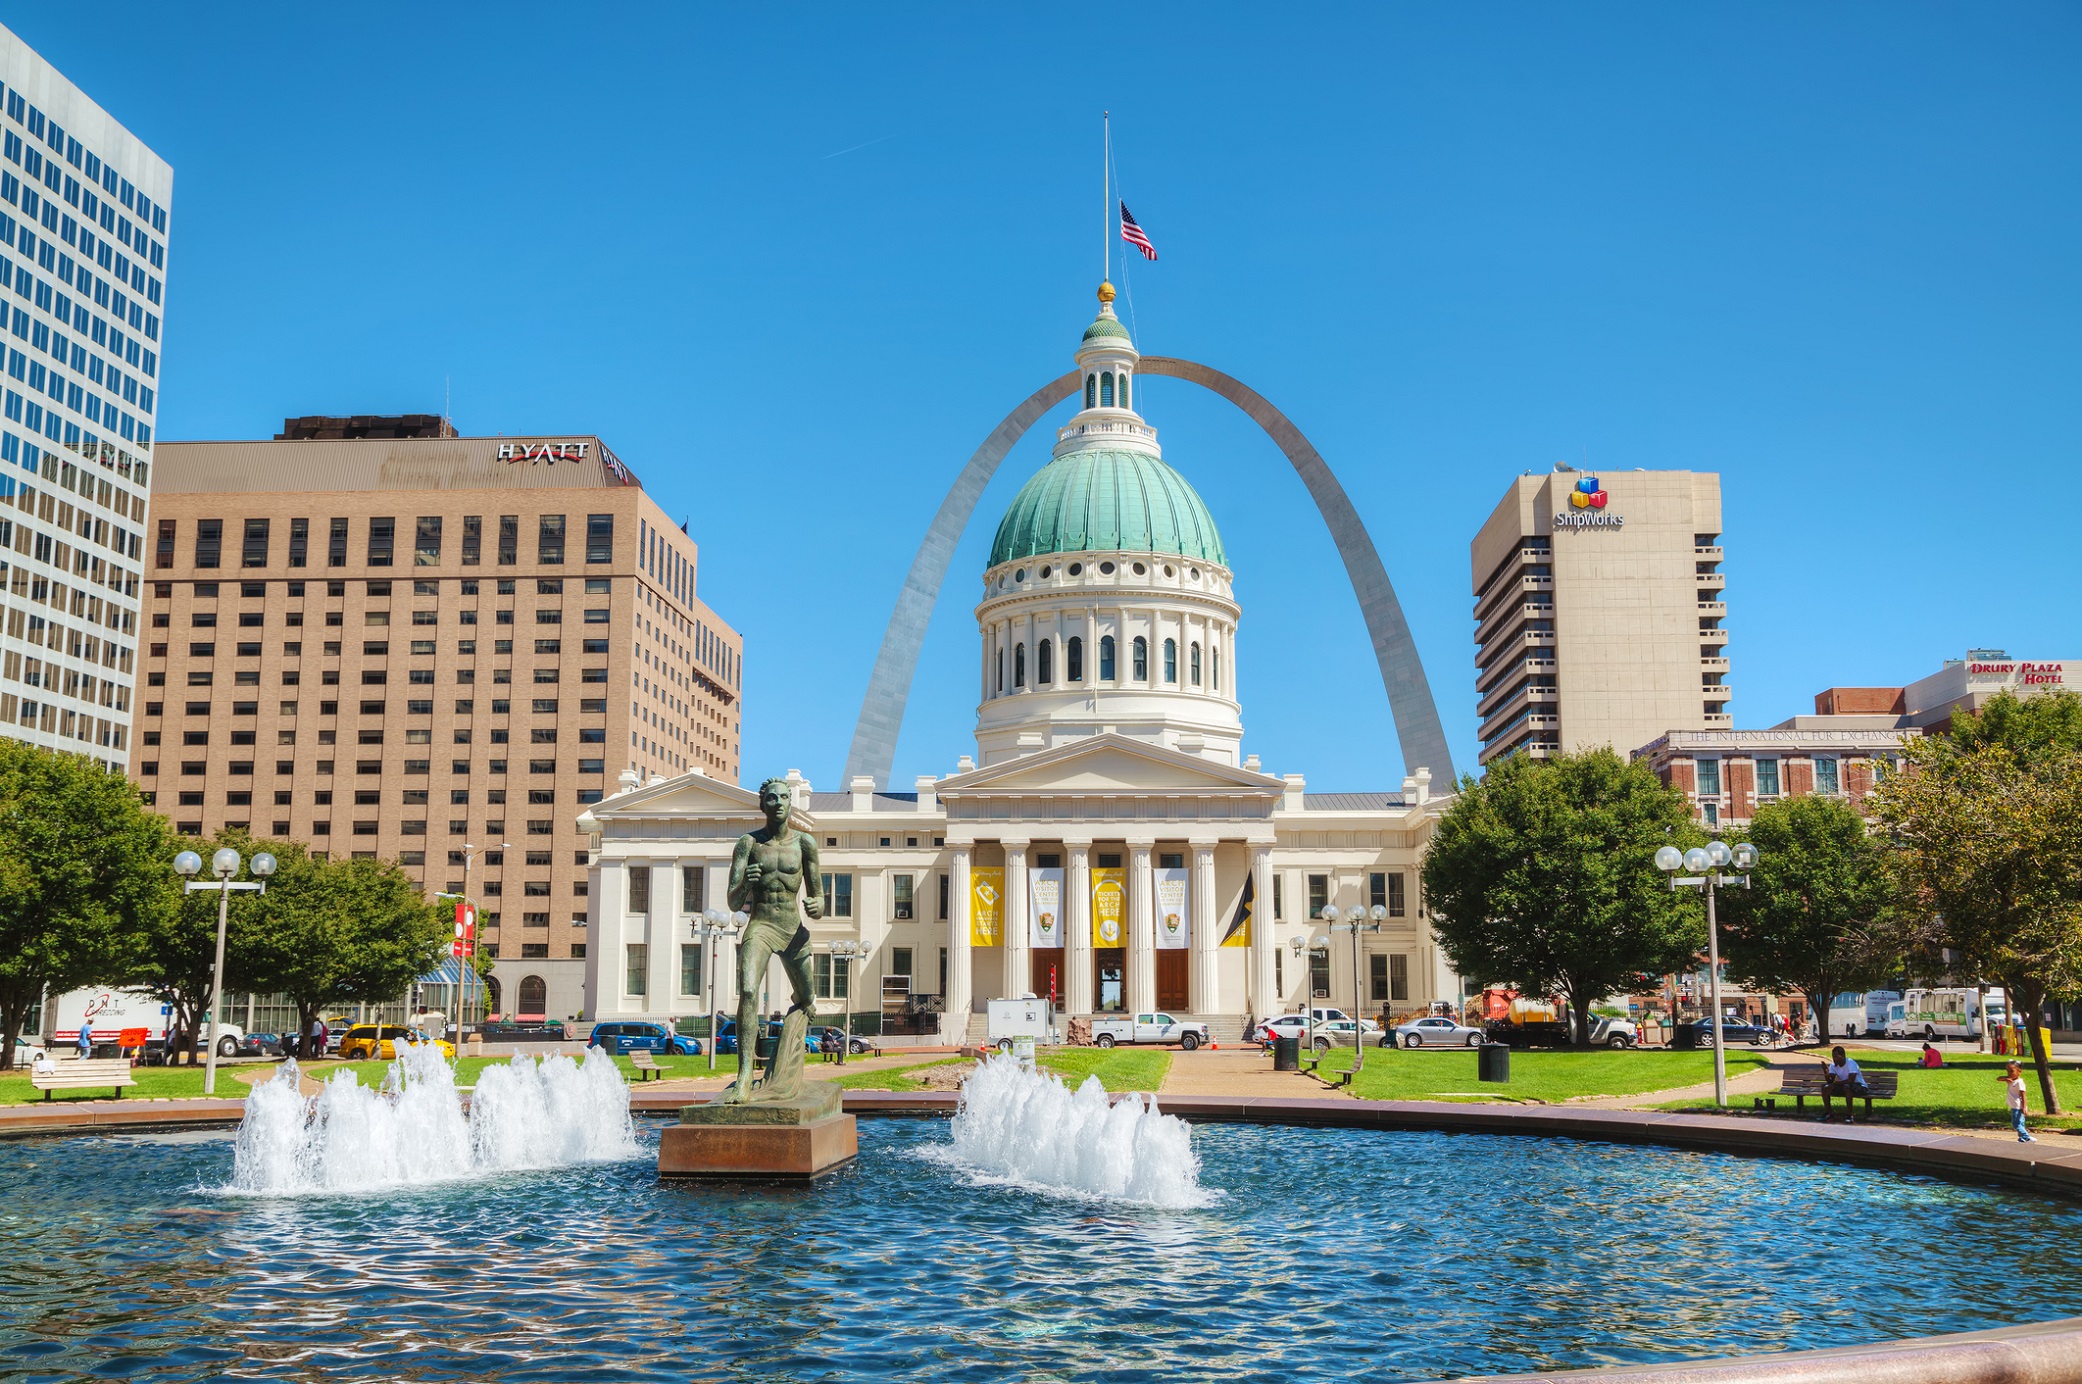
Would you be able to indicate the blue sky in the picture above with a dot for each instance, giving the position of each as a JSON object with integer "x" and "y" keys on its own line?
{"x": 794, "y": 264}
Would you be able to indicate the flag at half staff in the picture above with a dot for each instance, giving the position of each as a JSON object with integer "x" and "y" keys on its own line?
{"x": 1132, "y": 233}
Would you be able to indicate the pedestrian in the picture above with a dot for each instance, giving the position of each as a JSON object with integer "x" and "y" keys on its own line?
{"x": 1846, "y": 1079}
{"x": 1932, "y": 1057}
{"x": 86, "y": 1039}
{"x": 2013, "y": 1090}
{"x": 316, "y": 1047}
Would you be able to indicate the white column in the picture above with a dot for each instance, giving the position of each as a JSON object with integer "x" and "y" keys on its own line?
{"x": 1019, "y": 967}
{"x": 1077, "y": 977}
{"x": 955, "y": 1024}
{"x": 664, "y": 935}
{"x": 1142, "y": 933}
{"x": 1205, "y": 975}
{"x": 1265, "y": 1000}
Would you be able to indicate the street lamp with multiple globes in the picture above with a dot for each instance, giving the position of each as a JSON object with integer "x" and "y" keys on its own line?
{"x": 1358, "y": 920}
{"x": 711, "y": 926}
{"x": 1706, "y": 863}
{"x": 224, "y": 864}
{"x": 847, "y": 951}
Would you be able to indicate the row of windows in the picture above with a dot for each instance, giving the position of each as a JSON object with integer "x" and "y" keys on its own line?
{"x": 1098, "y": 390}
{"x": 1828, "y": 775}
{"x": 368, "y": 826}
{"x": 380, "y": 541}
{"x": 373, "y": 797}
{"x": 540, "y": 735}
{"x": 381, "y": 586}
{"x": 79, "y": 156}
{"x": 1073, "y": 660}
{"x": 245, "y": 768}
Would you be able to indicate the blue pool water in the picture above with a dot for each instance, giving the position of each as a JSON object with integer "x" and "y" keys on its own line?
{"x": 1326, "y": 1255}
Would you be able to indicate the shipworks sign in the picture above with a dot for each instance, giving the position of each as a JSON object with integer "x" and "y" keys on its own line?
{"x": 1587, "y": 509}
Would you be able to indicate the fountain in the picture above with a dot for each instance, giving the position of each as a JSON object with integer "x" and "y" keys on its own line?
{"x": 525, "y": 1114}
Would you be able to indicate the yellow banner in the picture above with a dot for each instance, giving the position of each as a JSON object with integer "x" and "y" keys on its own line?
{"x": 986, "y": 907}
{"x": 1239, "y": 933}
{"x": 1109, "y": 906}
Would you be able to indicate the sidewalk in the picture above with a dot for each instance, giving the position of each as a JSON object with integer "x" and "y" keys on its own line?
{"x": 1242, "y": 1071}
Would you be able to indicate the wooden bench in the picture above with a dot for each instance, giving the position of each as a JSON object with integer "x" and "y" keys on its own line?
{"x": 1802, "y": 1082}
{"x": 85, "y": 1073}
{"x": 645, "y": 1064}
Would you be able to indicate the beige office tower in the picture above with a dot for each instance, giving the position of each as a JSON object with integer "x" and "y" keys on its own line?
{"x": 1599, "y": 612}
{"x": 380, "y": 639}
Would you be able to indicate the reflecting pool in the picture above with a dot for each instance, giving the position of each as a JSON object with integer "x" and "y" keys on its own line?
{"x": 1316, "y": 1254}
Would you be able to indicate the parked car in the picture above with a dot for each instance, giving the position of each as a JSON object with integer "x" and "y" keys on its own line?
{"x": 1732, "y": 1031}
{"x": 1437, "y": 1031}
{"x": 855, "y": 1045}
{"x": 260, "y": 1045}
{"x": 1340, "y": 1033}
{"x": 1285, "y": 1026}
{"x": 522, "y": 1031}
{"x": 380, "y": 1041}
{"x": 627, "y": 1035}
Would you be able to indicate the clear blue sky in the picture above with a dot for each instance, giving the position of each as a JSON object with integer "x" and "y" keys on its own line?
{"x": 794, "y": 263}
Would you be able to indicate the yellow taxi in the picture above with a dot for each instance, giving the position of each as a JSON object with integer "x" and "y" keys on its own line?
{"x": 380, "y": 1041}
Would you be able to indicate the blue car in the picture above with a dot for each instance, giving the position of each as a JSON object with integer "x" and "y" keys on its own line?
{"x": 726, "y": 1036}
{"x": 630, "y": 1035}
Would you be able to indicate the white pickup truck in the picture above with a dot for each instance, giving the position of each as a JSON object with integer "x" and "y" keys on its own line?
{"x": 1148, "y": 1028}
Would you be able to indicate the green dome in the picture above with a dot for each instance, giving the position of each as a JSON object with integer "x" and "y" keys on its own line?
{"x": 1105, "y": 326}
{"x": 1102, "y": 501}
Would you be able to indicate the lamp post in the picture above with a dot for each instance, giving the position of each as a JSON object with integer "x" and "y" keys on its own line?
{"x": 846, "y": 951}
{"x": 224, "y": 864}
{"x": 1358, "y": 920}
{"x": 1706, "y": 862}
{"x": 714, "y": 925}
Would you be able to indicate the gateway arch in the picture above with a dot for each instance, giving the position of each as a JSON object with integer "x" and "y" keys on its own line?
{"x": 1417, "y": 727}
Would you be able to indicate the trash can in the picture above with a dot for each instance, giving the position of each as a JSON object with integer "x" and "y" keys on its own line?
{"x": 765, "y": 1047}
{"x": 1684, "y": 1037}
{"x": 1286, "y": 1054}
{"x": 1493, "y": 1062}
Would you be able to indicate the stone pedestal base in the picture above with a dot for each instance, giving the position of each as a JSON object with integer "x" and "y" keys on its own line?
{"x": 798, "y": 1139}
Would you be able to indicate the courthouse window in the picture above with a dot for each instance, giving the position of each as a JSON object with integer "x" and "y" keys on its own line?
{"x": 901, "y": 907}
{"x": 640, "y": 889}
{"x": 693, "y": 888}
{"x": 690, "y": 968}
{"x": 639, "y": 963}
{"x": 838, "y": 896}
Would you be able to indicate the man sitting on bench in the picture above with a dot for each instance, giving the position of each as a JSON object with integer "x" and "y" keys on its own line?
{"x": 1846, "y": 1080}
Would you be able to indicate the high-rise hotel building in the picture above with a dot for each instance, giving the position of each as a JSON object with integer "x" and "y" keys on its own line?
{"x": 1600, "y": 614}
{"x": 431, "y": 648}
{"x": 83, "y": 228}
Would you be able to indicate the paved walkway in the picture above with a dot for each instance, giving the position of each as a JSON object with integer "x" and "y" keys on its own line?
{"x": 1237, "y": 1072}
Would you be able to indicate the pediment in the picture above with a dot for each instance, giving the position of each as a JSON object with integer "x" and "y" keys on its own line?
{"x": 690, "y": 795}
{"x": 1109, "y": 764}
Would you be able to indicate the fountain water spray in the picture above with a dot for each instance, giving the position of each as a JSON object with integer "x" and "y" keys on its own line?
{"x": 526, "y": 1113}
{"x": 1026, "y": 1127}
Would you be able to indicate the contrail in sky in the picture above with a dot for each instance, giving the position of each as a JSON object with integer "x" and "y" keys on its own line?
{"x": 857, "y": 148}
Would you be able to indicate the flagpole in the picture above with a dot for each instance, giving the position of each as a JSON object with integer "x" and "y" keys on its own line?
{"x": 1106, "y": 198}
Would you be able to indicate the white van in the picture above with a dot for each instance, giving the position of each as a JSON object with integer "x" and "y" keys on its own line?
{"x": 1944, "y": 1012}
{"x": 1851, "y": 1013}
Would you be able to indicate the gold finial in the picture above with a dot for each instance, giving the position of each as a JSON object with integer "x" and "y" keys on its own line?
{"x": 1105, "y": 292}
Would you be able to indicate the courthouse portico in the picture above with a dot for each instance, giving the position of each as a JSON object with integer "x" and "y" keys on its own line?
{"x": 1110, "y": 846}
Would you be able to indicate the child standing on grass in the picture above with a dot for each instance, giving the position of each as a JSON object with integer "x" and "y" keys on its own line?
{"x": 2013, "y": 1090}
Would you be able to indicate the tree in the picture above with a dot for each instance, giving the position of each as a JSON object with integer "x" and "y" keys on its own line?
{"x": 333, "y": 931}
{"x": 1989, "y": 847}
{"x": 1543, "y": 875}
{"x": 174, "y": 949}
{"x": 1816, "y": 917}
{"x": 80, "y": 861}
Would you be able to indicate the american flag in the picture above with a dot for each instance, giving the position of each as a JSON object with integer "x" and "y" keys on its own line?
{"x": 1132, "y": 233}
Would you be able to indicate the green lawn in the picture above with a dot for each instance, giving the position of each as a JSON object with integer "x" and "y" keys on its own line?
{"x": 187, "y": 1081}
{"x": 888, "y": 1078}
{"x": 1965, "y": 1093}
{"x": 1118, "y": 1069}
{"x": 1449, "y": 1074}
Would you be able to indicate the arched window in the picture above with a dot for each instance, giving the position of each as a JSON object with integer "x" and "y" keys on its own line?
{"x": 534, "y": 997}
{"x": 1001, "y": 670}
{"x": 1019, "y": 665}
{"x": 1124, "y": 389}
{"x": 1141, "y": 659}
{"x": 1091, "y": 390}
{"x": 1171, "y": 660}
{"x": 1196, "y": 663}
{"x": 1214, "y": 651}
{"x": 1106, "y": 390}
{"x": 1044, "y": 664}
{"x": 1106, "y": 658}
{"x": 1073, "y": 659}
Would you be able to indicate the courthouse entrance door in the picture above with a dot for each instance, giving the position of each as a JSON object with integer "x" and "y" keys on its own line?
{"x": 1109, "y": 980}
{"x": 1171, "y": 979}
{"x": 1048, "y": 975}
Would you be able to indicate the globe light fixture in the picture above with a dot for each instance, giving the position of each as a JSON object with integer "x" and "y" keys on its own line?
{"x": 187, "y": 864}
{"x": 1697, "y": 860}
{"x": 263, "y": 866}
{"x": 1669, "y": 860}
{"x": 1705, "y": 863}
{"x": 225, "y": 863}
{"x": 1720, "y": 853}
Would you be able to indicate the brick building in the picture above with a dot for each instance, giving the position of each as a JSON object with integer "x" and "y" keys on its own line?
{"x": 432, "y": 648}
{"x": 1728, "y": 774}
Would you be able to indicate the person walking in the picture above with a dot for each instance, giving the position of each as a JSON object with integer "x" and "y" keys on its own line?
{"x": 86, "y": 1041}
{"x": 2013, "y": 1091}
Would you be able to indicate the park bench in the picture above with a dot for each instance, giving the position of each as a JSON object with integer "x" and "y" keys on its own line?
{"x": 1802, "y": 1082}
{"x": 645, "y": 1064}
{"x": 85, "y": 1073}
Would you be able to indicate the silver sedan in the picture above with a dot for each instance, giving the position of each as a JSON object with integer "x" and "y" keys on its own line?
{"x": 1437, "y": 1033}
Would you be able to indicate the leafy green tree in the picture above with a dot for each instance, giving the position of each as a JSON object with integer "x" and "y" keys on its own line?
{"x": 336, "y": 931}
{"x": 174, "y": 948}
{"x": 2031, "y": 728}
{"x": 1816, "y": 917}
{"x": 81, "y": 861}
{"x": 1542, "y": 875}
{"x": 1988, "y": 841}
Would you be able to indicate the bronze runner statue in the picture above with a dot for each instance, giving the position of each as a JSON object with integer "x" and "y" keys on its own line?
{"x": 767, "y": 868}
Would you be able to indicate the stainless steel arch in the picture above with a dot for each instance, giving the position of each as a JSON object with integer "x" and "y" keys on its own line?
{"x": 1417, "y": 727}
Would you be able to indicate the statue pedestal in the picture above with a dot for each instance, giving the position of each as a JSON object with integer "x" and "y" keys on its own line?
{"x": 802, "y": 1138}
